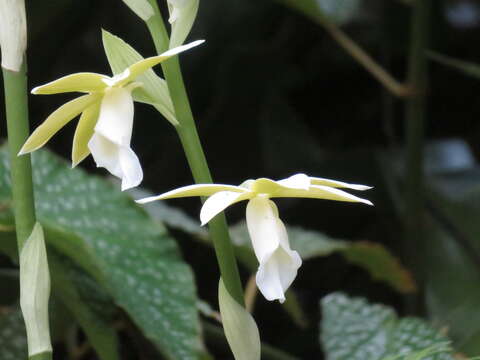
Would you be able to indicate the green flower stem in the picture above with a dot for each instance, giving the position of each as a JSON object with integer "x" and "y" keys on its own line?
{"x": 192, "y": 146}
{"x": 21, "y": 168}
{"x": 16, "y": 102}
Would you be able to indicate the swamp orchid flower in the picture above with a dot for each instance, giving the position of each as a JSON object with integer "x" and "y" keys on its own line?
{"x": 278, "y": 263}
{"x": 106, "y": 124}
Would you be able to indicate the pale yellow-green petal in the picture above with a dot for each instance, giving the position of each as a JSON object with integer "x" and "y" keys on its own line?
{"x": 58, "y": 119}
{"x": 84, "y": 132}
{"x": 193, "y": 190}
{"x": 338, "y": 184}
{"x": 79, "y": 82}
{"x": 320, "y": 192}
{"x": 143, "y": 65}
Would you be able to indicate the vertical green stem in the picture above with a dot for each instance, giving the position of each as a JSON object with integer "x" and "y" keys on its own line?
{"x": 192, "y": 146}
{"x": 415, "y": 121}
{"x": 21, "y": 168}
{"x": 16, "y": 102}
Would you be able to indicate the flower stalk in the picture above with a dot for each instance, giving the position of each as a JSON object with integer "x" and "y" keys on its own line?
{"x": 192, "y": 146}
{"x": 16, "y": 103}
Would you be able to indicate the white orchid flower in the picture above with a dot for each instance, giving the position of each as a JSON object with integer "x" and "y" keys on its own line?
{"x": 278, "y": 263}
{"x": 106, "y": 123}
{"x": 182, "y": 17}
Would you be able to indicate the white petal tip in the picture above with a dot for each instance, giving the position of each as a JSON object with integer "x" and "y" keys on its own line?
{"x": 35, "y": 90}
{"x": 368, "y": 202}
{"x": 363, "y": 187}
{"x": 22, "y": 152}
{"x": 147, "y": 200}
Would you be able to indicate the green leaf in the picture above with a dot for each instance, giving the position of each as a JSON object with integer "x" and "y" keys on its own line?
{"x": 133, "y": 257}
{"x": 154, "y": 90}
{"x": 76, "y": 293}
{"x": 468, "y": 68}
{"x": 374, "y": 258}
{"x": 71, "y": 285}
{"x": 353, "y": 329}
{"x": 13, "y": 338}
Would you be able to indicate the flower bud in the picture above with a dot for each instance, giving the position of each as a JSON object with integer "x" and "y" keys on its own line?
{"x": 13, "y": 33}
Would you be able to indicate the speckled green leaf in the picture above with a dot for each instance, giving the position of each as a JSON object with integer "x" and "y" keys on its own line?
{"x": 134, "y": 258}
{"x": 353, "y": 329}
{"x": 374, "y": 258}
{"x": 13, "y": 338}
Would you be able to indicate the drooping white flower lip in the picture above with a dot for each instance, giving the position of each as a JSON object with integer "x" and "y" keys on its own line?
{"x": 110, "y": 143}
{"x": 278, "y": 263}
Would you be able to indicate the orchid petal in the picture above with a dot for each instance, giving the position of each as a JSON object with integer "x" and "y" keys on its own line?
{"x": 193, "y": 190}
{"x": 119, "y": 160}
{"x": 106, "y": 154}
{"x": 154, "y": 90}
{"x": 219, "y": 202}
{"x": 58, "y": 119}
{"x": 131, "y": 168}
{"x": 143, "y": 65}
{"x": 297, "y": 181}
{"x": 115, "y": 121}
{"x": 83, "y": 133}
{"x": 79, "y": 82}
{"x": 278, "y": 264}
{"x": 338, "y": 184}
{"x": 320, "y": 192}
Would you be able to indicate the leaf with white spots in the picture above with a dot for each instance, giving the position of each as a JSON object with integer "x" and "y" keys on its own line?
{"x": 13, "y": 338}
{"x": 132, "y": 256}
{"x": 353, "y": 329}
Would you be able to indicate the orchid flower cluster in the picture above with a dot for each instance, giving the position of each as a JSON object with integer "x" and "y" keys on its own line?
{"x": 105, "y": 130}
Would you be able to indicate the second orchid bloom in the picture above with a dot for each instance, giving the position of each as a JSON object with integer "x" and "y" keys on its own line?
{"x": 106, "y": 124}
{"x": 278, "y": 263}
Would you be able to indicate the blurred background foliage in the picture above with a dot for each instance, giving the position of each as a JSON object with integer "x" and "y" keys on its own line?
{"x": 274, "y": 94}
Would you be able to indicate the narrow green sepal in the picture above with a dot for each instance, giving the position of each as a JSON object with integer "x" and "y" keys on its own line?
{"x": 80, "y": 82}
{"x": 58, "y": 119}
{"x": 141, "y": 8}
{"x": 84, "y": 132}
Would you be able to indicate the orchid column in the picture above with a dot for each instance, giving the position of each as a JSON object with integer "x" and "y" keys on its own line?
{"x": 34, "y": 275}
